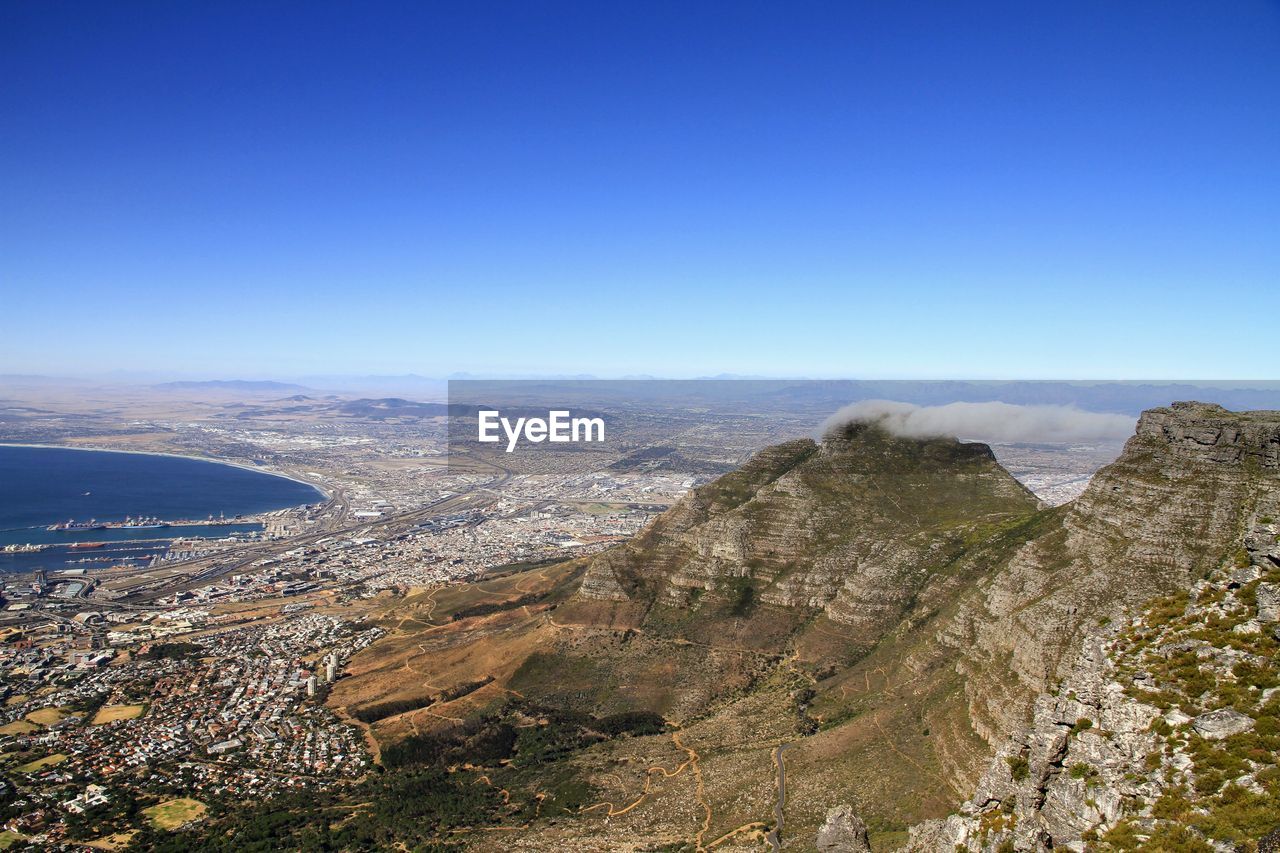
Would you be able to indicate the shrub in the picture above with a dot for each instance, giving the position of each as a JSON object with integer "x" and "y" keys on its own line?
{"x": 742, "y": 596}
{"x": 1172, "y": 805}
{"x": 1018, "y": 766}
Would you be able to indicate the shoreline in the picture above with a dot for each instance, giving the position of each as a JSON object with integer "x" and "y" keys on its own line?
{"x": 321, "y": 488}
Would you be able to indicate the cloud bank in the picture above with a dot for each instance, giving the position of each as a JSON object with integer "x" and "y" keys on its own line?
{"x": 998, "y": 422}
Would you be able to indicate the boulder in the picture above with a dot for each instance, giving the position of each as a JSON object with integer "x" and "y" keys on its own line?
{"x": 1268, "y": 602}
{"x": 843, "y": 832}
{"x": 1224, "y": 723}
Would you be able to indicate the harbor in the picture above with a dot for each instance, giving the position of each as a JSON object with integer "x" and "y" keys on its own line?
{"x": 117, "y": 545}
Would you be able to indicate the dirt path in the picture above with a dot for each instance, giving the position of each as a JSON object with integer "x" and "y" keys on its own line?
{"x": 690, "y": 763}
{"x": 755, "y": 830}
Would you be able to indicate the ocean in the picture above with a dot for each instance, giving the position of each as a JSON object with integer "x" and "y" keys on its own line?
{"x": 40, "y": 486}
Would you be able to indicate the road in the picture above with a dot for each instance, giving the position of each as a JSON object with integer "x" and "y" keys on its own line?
{"x": 774, "y": 836}
{"x": 204, "y": 569}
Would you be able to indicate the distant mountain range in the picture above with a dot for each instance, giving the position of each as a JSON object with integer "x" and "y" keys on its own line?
{"x": 797, "y": 395}
{"x": 251, "y": 385}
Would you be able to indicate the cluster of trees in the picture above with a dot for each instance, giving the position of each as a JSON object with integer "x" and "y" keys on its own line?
{"x": 478, "y": 741}
{"x": 422, "y": 798}
{"x": 632, "y": 723}
{"x": 486, "y": 609}
{"x": 175, "y": 651}
{"x": 391, "y": 707}
{"x": 741, "y": 595}
{"x": 401, "y": 810}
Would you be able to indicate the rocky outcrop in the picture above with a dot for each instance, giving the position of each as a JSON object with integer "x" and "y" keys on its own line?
{"x": 1268, "y": 602}
{"x": 1151, "y": 523}
{"x": 1221, "y": 724}
{"x": 677, "y": 537}
{"x": 1163, "y": 735}
{"x": 843, "y": 832}
{"x": 1201, "y": 432}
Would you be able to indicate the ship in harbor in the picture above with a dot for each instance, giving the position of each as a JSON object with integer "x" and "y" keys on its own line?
{"x": 129, "y": 523}
{"x": 71, "y": 526}
{"x": 23, "y": 549}
{"x": 139, "y": 523}
{"x": 83, "y": 545}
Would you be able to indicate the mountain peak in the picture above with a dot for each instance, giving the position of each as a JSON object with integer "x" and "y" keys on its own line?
{"x": 848, "y": 529}
{"x": 863, "y": 435}
{"x": 1211, "y": 433}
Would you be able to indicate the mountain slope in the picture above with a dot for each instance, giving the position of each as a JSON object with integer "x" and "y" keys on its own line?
{"x": 846, "y": 531}
{"x": 728, "y": 617}
{"x": 1163, "y": 736}
{"x": 1159, "y": 517}
{"x": 888, "y": 608}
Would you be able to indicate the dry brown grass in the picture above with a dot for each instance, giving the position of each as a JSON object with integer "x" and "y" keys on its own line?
{"x": 41, "y": 763}
{"x": 174, "y": 813}
{"x": 116, "y": 841}
{"x": 47, "y": 716}
{"x": 111, "y": 713}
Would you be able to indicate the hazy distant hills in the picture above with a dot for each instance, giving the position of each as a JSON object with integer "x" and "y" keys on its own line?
{"x": 820, "y": 396}
{"x": 257, "y": 386}
{"x": 396, "y": 407}
{"x": 33, "y": 380}
{"x": 1130, "y": 398}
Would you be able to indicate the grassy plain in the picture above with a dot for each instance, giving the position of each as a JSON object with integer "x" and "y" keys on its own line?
{"x": 174, "y": 813}
{"x": 41, "y": 763}
{"x": 111, "y": 713}
{"x": 47, "y": 716}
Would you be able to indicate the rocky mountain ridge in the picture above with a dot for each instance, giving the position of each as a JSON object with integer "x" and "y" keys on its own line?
{"x": 849, "y": 529}
{"x": 1149, "y": 524}
{"x": 1164, "y": 736}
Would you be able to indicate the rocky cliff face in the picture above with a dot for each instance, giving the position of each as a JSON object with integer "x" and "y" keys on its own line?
{"x": 1163, "y": 736}
{"x": 1158, "y": 518}
{"x": 1153, "y": 722}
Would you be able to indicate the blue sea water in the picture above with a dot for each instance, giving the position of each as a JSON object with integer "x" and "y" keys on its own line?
{"x": 40, "y": 486}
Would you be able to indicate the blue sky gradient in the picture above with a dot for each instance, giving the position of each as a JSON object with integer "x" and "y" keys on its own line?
{"x": 905, "y": 189}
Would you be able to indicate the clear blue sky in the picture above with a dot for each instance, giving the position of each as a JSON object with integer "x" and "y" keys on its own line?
{"x": 1021, "y": 189}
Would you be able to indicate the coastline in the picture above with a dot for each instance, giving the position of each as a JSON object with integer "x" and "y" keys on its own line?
{"x": 319, "y": 487}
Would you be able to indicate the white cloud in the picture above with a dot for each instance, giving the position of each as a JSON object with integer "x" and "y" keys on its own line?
{"x": 998, "y": 422}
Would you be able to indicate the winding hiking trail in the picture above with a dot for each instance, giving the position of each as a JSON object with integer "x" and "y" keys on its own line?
{"x": 754, "y": 830}
{"x": 691, "y": 763}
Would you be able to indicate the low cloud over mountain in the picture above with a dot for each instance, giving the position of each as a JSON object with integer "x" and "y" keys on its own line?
{"x": 999, "y": 422}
